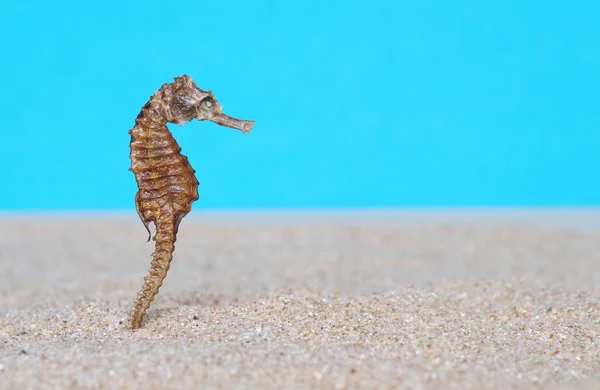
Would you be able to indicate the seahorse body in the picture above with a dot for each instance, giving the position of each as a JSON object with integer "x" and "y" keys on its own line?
{"x": 167, "y": 185}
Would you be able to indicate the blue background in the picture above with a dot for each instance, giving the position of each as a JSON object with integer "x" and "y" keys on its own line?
{"x": 358, "y": 104}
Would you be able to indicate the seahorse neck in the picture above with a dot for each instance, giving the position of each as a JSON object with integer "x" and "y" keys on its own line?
{"x": 152, "y": 115}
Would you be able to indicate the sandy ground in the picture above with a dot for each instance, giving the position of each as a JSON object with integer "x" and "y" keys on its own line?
{"x": 398, "y": 300}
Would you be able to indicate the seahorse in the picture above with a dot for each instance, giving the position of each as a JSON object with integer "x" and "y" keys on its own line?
{"x": 167, "y": 185}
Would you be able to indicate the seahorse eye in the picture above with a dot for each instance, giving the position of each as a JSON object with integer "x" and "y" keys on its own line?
{"x": 207, "y": 103}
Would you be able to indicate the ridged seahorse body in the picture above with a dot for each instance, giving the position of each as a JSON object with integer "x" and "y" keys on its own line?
{"x": 167, "y": 185}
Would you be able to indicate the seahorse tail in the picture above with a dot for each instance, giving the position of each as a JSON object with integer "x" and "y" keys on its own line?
{"x": 161, "y": 261}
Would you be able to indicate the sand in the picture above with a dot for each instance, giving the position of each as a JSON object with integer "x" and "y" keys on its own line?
{"x": 388, "y": 301}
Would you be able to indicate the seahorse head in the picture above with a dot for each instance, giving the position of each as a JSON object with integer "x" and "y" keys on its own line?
{"x": 190, "y": 102}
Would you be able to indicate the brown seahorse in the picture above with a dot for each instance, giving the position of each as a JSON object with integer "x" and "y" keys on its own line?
{"x": 167, "y": 185}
